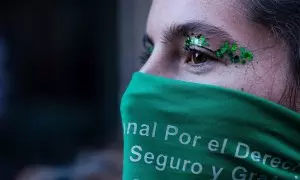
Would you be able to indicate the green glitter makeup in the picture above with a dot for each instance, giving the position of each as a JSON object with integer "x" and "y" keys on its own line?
{"x": 199, "y": 41}
{"x": 234, "y": 53}
{"x": 150, "y": 50}
{"x": 227, "y": 51}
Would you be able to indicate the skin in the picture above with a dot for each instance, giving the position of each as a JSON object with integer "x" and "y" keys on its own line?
{"x": 266, "y": 76}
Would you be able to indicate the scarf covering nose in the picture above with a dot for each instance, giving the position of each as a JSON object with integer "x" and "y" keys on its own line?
{"x": 175, "y": 130}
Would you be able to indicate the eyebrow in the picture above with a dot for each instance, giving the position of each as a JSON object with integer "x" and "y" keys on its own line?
{"x": 195, "y": 27}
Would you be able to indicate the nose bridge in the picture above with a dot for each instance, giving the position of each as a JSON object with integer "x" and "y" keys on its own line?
{"x": 159, "y": 65}
{"x": 154, "y": 66}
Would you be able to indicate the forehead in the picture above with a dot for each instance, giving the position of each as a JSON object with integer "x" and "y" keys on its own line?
{"x": 228, "y": 15}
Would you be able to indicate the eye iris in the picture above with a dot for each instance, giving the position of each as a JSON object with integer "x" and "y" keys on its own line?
{"x": 198, "y": 58}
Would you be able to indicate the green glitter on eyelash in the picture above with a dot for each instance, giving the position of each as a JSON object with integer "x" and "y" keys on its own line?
{"x": 203, "y": 41}
{"x": 235, "y": 53}
{"x": 196, "y": 41}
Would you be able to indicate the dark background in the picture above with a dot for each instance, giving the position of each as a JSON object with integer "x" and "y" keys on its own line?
{"x": 59, "y": 81}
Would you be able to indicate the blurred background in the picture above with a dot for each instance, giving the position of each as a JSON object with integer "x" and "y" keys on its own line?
{"x": 63, "y": 68}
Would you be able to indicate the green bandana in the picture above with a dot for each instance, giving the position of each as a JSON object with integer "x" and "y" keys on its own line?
{"x": 186, "y": 131}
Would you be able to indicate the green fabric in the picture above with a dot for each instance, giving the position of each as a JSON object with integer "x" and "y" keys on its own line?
{"x": 186, "y": 131}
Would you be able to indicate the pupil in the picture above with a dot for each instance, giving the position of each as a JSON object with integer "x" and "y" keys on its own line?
{"x": 199, "y": 58}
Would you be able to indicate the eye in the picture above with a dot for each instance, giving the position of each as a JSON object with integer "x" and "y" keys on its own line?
{"x": 148, "y": 48}
{"x": 197, "y": 56}
{"x": 146, "y": 55}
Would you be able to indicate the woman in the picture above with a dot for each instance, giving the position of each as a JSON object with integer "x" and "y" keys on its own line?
{"x": 217, "y": 97}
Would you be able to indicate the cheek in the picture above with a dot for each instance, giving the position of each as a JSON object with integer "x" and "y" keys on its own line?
{"x": 230, "y": 76}
{"x": 268, "y": 80}
{"x": 260, "y": 79}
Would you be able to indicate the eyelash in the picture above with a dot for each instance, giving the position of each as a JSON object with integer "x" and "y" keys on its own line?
{"x": 148, "y": 48}
{"x": 145, "y": 56}
{"x": 194, "y": 52}
{"x": 189, "y": 53}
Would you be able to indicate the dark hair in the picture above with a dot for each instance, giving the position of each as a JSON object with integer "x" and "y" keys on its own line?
{"x": 282, "y": 18}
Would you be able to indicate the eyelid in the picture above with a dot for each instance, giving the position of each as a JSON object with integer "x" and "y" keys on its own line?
{"x": 205, "y": 51}
{"x": 208, "y": 52}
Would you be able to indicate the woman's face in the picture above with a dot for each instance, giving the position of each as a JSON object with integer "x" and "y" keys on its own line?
{"x": 219, "y": 21}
